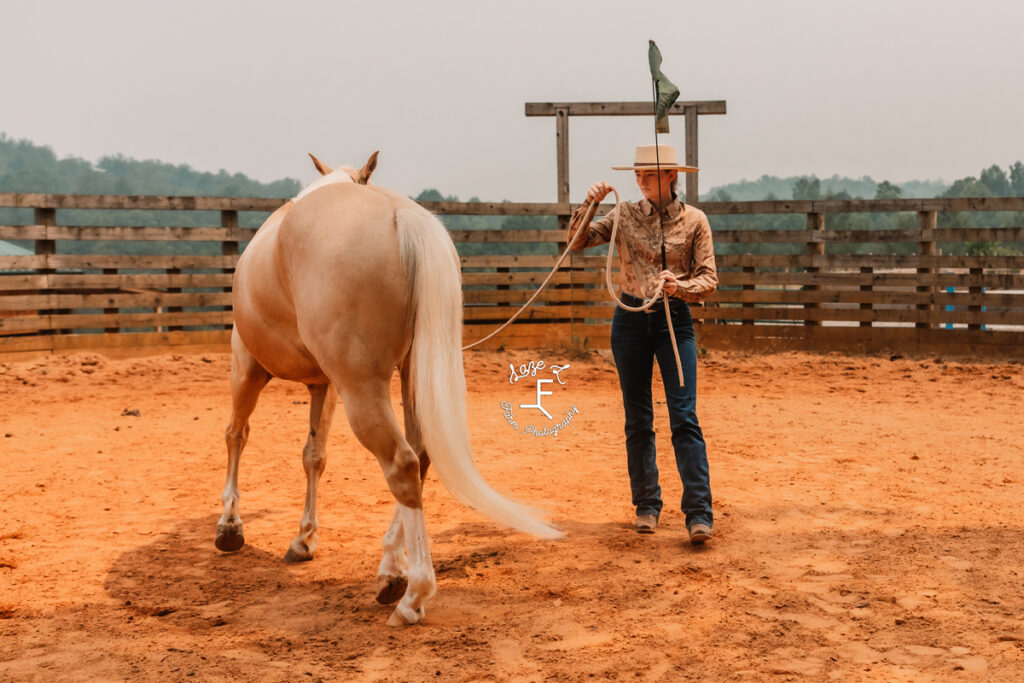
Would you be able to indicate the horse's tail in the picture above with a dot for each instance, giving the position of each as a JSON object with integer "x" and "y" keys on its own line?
{"x": 432, "y": 267}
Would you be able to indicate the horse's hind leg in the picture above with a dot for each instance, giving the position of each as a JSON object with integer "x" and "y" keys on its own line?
{"x": 392, "y": 577}
{"x": 247, "y": 380}
{"x": 368, "y": 408}
{"x": 322, "y": 401}
{"x": 412, "y": 425}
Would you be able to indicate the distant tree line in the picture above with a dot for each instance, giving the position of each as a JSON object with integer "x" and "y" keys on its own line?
{"x": 27, "y": 167}
{"x": 991, "y": 182}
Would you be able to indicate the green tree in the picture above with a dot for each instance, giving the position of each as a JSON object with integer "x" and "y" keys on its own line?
{"x": 838, "y": 221}
{"x": 964, "y": 187}
{"x": 430, "y": 195}
{"x": 887, "y": 190}
{"x": 994, "y": 178}
{"x": 968, "y": 187}
{"x": 1017, "y": 179}
{"x": 807, "y": 187}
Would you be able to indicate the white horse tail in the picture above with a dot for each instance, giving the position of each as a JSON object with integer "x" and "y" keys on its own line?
{"x": 439, "y": 382}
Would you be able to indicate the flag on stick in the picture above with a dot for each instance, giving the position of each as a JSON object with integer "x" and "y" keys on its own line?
{"x": 665, "y": 92}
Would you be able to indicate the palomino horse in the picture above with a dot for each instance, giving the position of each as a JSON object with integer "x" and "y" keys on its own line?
{"x": 340, "y": 286}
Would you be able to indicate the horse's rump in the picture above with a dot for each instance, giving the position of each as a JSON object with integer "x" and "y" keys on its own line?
{"x": 338, "y": 257}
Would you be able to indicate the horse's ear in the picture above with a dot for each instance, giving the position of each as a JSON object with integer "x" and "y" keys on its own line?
{"x": 320, "y": 166}
{"x": 366, "y": 171}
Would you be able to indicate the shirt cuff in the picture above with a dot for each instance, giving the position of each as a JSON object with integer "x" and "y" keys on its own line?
{"x": 689, "y": 295}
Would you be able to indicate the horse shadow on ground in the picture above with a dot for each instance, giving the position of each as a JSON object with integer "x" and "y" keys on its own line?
{"x": 181, "y": 579}
{"x": 184, "y": 580}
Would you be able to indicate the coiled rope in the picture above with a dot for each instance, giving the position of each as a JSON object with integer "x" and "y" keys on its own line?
{"x": 584, "y": 228}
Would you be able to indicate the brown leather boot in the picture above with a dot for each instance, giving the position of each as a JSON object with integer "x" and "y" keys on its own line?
{"x": 645, "y": 524}
{"x": 700, "y": 533}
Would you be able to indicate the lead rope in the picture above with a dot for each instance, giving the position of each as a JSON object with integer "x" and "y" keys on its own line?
{"x": 584, "y": 227}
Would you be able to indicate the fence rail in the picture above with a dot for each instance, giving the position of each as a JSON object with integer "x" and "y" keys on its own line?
{"x": 922, "y": 302}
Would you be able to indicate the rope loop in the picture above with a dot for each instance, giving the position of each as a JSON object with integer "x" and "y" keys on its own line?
{"x": 583, "y": 228}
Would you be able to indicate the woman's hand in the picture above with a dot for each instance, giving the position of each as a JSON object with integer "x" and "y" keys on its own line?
{"x": 598, "y": 191}
{"x": 671, "y": 283}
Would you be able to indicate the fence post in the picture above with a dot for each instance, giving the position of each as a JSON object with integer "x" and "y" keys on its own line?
{"x": 926, "y": 221}
{"x": 692, "y": 189}
{"x": 46, "y": 247}
{"x": 171, "y": 309}
{"x": 975, "y": 290}
{"x": 815, "y": 247}
{"x": 562, "y": 150}
{"x": 747, "y": 288}
{"x": 111, "y": 311}
{"x": 867, "y": 306}
{"x": 229, "y": 219}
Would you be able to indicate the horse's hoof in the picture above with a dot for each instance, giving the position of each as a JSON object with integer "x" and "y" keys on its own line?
{"x": 292, "y": 556}
{"x": 403, "y": 616}
{"x": 229, "y": 538}
{"x": 391, "y": 588}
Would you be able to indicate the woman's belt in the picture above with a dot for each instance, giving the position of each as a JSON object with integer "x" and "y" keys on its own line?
{"x": 658, "y": 307}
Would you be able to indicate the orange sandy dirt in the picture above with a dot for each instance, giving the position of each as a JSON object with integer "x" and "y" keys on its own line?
{"x": 868, "y": 527}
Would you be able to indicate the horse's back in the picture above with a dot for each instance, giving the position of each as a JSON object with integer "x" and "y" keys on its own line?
{"x": 338, "y": 253}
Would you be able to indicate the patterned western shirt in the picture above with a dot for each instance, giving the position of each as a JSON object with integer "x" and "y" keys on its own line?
{"x": 688, "y": 248}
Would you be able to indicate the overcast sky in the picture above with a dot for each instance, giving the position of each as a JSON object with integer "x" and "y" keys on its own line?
{"x": 897, "y": 90}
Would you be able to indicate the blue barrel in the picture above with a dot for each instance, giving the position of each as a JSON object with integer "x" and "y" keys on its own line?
{"x": 950, "y": 307}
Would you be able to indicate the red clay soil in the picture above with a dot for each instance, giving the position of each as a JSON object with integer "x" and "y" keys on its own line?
{"x": 868, "y": 526}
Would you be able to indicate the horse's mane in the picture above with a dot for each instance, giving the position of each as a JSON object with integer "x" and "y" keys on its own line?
{"x": 341, "y": 175}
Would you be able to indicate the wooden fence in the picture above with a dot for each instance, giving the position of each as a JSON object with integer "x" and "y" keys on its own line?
{"x": 920, "y": 302}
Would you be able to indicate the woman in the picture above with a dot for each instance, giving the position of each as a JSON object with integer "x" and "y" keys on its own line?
{"x": 638, "y": 337}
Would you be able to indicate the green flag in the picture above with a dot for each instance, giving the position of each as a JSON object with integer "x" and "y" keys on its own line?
{"x": 665, "y": 91}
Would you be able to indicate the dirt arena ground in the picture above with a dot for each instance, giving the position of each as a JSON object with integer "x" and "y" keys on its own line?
{"x": 868, "y": 526}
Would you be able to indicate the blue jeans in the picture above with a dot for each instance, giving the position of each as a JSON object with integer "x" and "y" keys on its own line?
{"x": 636, "y": 339}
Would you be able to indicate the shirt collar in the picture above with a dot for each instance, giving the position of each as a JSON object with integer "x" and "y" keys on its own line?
{"x": 673, "y": 209}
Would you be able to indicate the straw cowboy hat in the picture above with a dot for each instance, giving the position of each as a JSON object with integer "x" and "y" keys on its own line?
{"x": 647, "y": 159}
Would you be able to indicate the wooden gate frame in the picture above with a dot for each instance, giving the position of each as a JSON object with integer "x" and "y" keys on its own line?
{"x": 562, "y": 111}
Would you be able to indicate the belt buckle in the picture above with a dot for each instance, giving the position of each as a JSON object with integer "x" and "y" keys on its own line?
{"x": 646, "y": 301}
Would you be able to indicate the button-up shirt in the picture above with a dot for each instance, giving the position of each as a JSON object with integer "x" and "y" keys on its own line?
{"x": 688, "y": 248}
